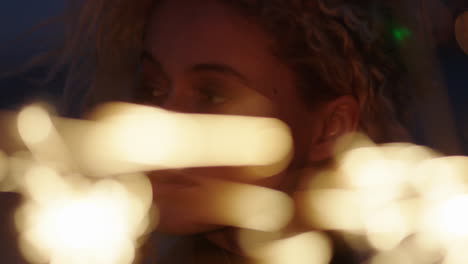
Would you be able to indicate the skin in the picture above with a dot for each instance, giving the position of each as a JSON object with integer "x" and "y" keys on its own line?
{"x": 204, "y": 57}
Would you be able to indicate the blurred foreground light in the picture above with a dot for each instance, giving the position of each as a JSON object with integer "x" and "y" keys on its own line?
{"x": 457, "y": 253}
{"x": 154, "y": 137}
{"x": 43, "y": 184}
{"x": 388, "y": 227}
{"x": 448, "y": 219}
{"x": 304, "y": 248}
{"x": 441, "y": 178}
{"x": 369, "y": 167}
{"x": 384, "y": 194}
{"x": 392, "y": 257}
{"x": 74, "y": 221}
{"x": 461, "y": 31}
{"x": 256, "y": 208}
{"x": 234, "y": 204}
{"x": 331, "y": 209}
{"x": 34, "y": 124}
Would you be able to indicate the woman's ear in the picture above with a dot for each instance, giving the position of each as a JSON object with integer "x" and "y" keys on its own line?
{"x": 338, "y": 117}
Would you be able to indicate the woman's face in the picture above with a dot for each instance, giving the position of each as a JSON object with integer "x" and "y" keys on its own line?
{"x": 204, "y": 57}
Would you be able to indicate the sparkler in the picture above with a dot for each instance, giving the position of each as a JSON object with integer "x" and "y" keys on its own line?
{"x": 408, "y": 203}
{"x": 70, "y": 218}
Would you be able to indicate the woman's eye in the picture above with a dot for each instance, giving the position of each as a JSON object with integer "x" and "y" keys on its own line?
{"x": 158, "y": 92}
{"x": 152, "y": 92}
{"x": 216, "y": 99}
{"x": 213, "y": 97}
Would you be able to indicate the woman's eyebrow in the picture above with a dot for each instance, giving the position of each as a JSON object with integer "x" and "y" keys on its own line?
{"x": 148, "y": 56}
{"x": 202, "y": 67}
{"x": 219, "y": 68}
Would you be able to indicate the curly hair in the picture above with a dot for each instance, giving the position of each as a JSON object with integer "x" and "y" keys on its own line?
{"x": 338, "y": 48}
{"x": 335, "y": 47}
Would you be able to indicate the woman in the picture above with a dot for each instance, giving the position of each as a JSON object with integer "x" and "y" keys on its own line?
{"x": 317, "y": 65}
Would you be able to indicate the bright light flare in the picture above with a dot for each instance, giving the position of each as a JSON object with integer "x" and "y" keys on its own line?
{"x": 162, "y": 139}
{"x": 370, "y": 167}
{"x": 447, "y": 220}
{"x": 331, "y": 209}
{"x": 235, "y": 204}
{"x": 388, "y": 193}
{"x": 441, "y": 178}
{"x": 43, "y": 184}
{"x": 304, "y": 248}
{"x": 388, "y": 227}
{"x": 456, "y": 253}
{"x": 253, "y": 207}
{"x": 34, "y": 124}
{"x": 37, "y": 130}
{"x": 392, "y": 258}
{"x": 72, "y": 220}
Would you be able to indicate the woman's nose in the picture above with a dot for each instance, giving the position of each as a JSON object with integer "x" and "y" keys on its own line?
{"x": 180, "y": 100}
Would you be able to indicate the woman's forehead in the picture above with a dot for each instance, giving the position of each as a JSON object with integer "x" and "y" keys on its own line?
{"x": 186, "y": 33}
{"x": 203, "y": 29}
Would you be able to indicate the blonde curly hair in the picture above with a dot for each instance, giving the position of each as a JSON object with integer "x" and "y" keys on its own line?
{"x": 337, "y": 47}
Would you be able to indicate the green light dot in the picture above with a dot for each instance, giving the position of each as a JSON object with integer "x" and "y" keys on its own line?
{"x": 401, "y": 34}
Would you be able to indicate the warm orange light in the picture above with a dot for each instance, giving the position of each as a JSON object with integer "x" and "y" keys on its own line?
{"x": 140, "y": 137}
{"x": 402, "y": 200}
{"x": 74, "y": 220}
{"x": 304, "y": 248}
{"x": 34, "y": 124}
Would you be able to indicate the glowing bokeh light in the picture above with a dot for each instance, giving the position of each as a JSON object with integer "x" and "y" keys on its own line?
{"x": 456, "y": 253}
{"x": 79, "y": 221}
{"x": 161, "y": 139}
{"x": 34, "y": 124}
{"x": 370, "y": 168}
{"x": 403, "y": 201}
{"x": 303, "y": 248}
{"x": 331, "y": 209}
{"x": 388, "y": 227}
{"x": 447, "y": 219}
{"x": 441, "y": 178}
{"x": 392, "y": 258}
{"x": 254, "y": 207}
{"x": 42, "y": 184}
{"x": 235, "y": 204}
{"x": 388, "y": 194}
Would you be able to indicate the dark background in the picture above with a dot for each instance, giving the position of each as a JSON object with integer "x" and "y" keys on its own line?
{"x": 439, "y": 119}
{"x": 26, "y": 30}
